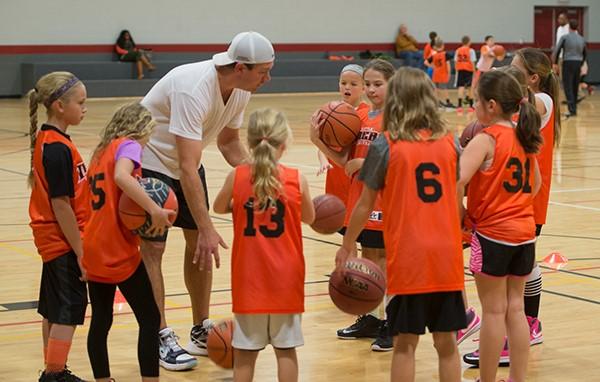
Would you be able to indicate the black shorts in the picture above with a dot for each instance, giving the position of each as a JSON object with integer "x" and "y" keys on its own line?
{"x": 538, "y": 229}
{"x": 439, "y": 312}
{"x": 63, "y": 297}
{"x": 371, "y": 239}
{"x": 464, "y": 78}
{"x": 184, "y": 215}
{"x": 496, "y": 259}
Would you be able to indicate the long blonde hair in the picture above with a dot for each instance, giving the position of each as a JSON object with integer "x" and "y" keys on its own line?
{"x": 268, "y": 130}
{"x": 49, "y": 88}
{"x": 131, "y": 120}
{"x": 411, "y": 105}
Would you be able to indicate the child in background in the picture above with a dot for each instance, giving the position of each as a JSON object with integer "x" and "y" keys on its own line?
{"x": 118, "y": 262}
{"x": 428, "y": 50}
{"x": 58, "y": 210}
{"x": 351, "y": 88}
{"x": 441, "y": 72}
{"x": 503, "y": 176}
{"x": 268, "y": 201}
{"x": 376, "y": 75}
{"x": 486, "y": 58}
{"x": 413, "y": 164}
{"x": 464, "y": 59}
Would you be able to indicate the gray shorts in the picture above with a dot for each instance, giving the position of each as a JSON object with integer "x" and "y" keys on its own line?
{"x": 256, "y": 331}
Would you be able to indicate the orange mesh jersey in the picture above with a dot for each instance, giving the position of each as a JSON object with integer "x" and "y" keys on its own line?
{"x": 440, "y": 68}
{"x": 370, "y": 129}
{"x": 423, "y": 240}
{"x": 544, "y": 158}
{"x": 110, "y": 251}
{"x": 267, "y": 261}
{"x": 463, "y": 59}
{"x": 47, "y": 234}
{"x": 500, "y": 199}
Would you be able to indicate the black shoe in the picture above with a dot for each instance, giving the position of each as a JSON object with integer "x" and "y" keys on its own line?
{"x": 366, "y": 326}
{"x": 449, "y": 105}
{"x": 384, "y": 341}
{"x": 64, "y": 376}
{"x": 568, "y": 115}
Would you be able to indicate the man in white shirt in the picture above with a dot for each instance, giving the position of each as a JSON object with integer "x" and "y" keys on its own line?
{"x": 193, "y": 105}
{"x": 563, "y": 27}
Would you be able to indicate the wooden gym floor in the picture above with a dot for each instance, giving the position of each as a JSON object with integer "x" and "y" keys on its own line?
{"x": 570, "y": 300}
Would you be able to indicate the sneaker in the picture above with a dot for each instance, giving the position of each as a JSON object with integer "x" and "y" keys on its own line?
{"x": 64, "y": 376}
{"x": 384, "y": 341}
{"x": 172, "y": 356}
{"x": 590, "y": 90}
{"x": 535, "y": 331}
{"x": 449, "y": 104}
{"x": 471, "y": 109}
{"x": 459, "y": 110}
{"x": 366, "y": 326}
{"x": 198, "y": 336}
{"x": 473, "y": 358}
{"x": 472, "y": 326}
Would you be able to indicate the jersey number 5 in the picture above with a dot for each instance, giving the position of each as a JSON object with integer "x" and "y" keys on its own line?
{"x": 97, "y": 191}
{"x": 428, "y": 189}
{"x": 520, "y": 182}
{"x": 277, "y": 216}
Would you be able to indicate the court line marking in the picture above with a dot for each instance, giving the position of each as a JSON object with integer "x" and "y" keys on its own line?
{"x": 577, "y": 206}
{"x": 575, "y": 190}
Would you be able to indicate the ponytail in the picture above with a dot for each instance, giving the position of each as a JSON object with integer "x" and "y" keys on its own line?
{"x": 551, "y": 86}
{"x": 33, "y": 120}
{"x": 528, "y": 128}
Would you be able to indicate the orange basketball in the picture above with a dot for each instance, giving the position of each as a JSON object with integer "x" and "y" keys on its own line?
{"x": 499, "y": 52}
{"x": 470, "y": 131}
{"x": 329, "y": 214}
{"x": 135, "y": 217}
{"x": 218, "y": 344}
{"x": 357, "y": 287}
{"x": 341, "y": 126}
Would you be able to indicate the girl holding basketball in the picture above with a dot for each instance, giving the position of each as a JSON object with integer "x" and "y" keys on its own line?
{"x": 268, "y": 201}
{"x": 376, "y": 75}
{"x": 58, "y": 211}
{"x": 412, "y": 165}
{"x": 111, "y": 251}
{"x": 351, "y": 89}
{"x": 503, "y": 175}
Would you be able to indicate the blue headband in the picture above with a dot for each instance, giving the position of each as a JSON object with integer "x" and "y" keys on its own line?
{"x": 61, "y": 91}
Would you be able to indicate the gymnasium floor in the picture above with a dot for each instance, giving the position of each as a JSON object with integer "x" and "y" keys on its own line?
{"x": 570, "y": 301}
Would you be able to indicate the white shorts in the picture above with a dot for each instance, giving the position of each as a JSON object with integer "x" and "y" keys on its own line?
{"x": 256, "y": 331}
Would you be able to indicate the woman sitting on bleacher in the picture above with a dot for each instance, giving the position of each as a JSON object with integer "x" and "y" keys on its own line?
{"x": 128, "y": 52}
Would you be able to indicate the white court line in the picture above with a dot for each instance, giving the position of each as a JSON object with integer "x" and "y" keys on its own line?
{"x": 575, "y": 206}
{"x": 576, "y": 190}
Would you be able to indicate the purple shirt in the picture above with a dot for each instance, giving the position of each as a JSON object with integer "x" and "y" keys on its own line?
{"x": 131, "y": 150}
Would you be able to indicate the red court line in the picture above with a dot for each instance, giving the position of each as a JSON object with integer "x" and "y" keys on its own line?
{"x": 16, "y": 241}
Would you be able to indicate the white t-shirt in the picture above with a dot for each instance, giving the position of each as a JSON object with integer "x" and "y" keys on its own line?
{"x": 547, "y": 100}
{"x": 187, "y": 102}
{"x": 561, "y": 31}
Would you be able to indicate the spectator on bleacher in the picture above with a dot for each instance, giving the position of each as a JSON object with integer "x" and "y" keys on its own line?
{"x": 406, "y": 48}
{"x": 128, "y": 52}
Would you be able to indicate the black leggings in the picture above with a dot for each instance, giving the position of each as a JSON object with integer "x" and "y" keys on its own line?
{"x": 137, "y": 290}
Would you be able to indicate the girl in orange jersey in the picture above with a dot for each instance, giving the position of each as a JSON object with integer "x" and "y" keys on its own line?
{"x": 441, "y": 72}
{"x": 117, "y": 261}
{"x": 464, "y": 57}
{"x": 351, "y": 88}
{"x": 58, "y": 211}
{"x": 503, "y": 175}
{"x": 268, "y": 201}
{"x": 376, "y": 75}
{"x": 413, "y": 166}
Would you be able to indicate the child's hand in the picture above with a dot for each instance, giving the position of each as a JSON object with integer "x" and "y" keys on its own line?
{"x": 353, "y": 166}
{"x": 316, "y": 122}
{"x": 82, "y": 269}
{"x": 323, "y": 168}
{"x": 160, "y": 221}
{"x": 343, "y": 254}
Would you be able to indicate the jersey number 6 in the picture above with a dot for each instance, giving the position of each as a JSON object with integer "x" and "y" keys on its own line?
{"x": 428, "y": 189}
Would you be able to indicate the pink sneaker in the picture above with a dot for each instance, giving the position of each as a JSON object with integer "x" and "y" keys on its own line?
{"x": 472, "y": 327}
{"x": 459, "y": 110}
{"x": 473, "y": 358}
{"x": 535, "y": 331}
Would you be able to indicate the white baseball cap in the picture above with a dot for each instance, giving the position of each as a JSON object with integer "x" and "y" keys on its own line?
{"x": 247, "y": 48}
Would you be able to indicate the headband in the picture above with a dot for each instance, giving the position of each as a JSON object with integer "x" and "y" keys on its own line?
{"x": 61, "y": 91}
{"x": 353, "y": 68}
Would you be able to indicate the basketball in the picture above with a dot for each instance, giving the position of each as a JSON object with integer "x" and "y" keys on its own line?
{"x": 218, "y": 344}
{"x": 341, "y": 126}
{"x": 135, "y": 217}
{"x": 357, "y": 287}
{"x": 329, "y": 214}
{"x": 470, "y": 131}
{"x": 499, "y": 51}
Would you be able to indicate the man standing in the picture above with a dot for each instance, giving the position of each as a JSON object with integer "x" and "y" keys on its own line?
{"x": 572, "y": 47}
{"x": 193, "y": 105}
{"x": 563, "y": 27}
{"x": 406, "y": 48}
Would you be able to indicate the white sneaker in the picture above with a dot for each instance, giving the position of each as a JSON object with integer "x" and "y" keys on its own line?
{"x": 171, "y": 355}
{"x": 198, "y": 336}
